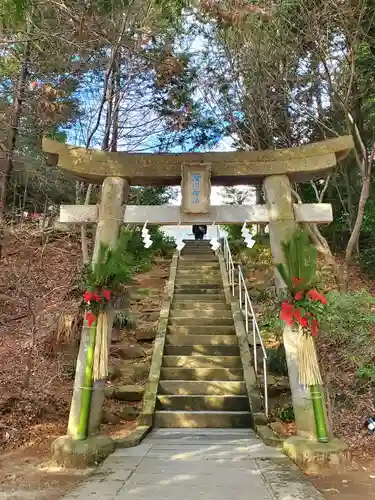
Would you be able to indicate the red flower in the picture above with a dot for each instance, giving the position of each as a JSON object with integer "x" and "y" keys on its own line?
{"x": 299, "y": 295}
{"x": 107, "y": 294}
{"x": 314, "y": 328}
{"x": 304, "y": 322}
{"x": 287, "y": 312}
{"x": 297, "y": 281}
{"x": 87, "y": 296}
{"x": 90, "y": 318}
{"x": 315, "y": 295}
{"x": 96, "y": 297}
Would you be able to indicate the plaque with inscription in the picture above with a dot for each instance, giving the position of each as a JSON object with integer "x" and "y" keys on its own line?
{"x": 196, "y": 188}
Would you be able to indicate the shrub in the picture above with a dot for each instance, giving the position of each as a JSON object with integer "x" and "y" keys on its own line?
{"x": 276, "y": 360}
{"x": 259, "y": 255}
{"x": 349, "y": 323}
{"x": 270, "y": 323}
{"x": 286, "y": 413}
{"x": 367, "y": 260}
{"x": 131, "y": 256}
{"x": 162, "y": 244}
{"x": 366, "y": 371}
{"x": 237, "y": 247}
{"x": 124, "y": 320}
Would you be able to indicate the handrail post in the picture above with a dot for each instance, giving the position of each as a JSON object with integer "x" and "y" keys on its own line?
{"x": 239, "y": 287}
{"x": 265, "y": 386}
{"x": 244, "y": 297}
{"x": 255, "y": 348}
{"x": 246, "y": 318}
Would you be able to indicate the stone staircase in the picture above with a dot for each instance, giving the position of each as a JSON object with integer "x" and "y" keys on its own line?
{"x": 201, "y": 380}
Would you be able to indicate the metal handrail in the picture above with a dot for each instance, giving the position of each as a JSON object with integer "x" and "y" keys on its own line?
{"x": 246, "y": 307}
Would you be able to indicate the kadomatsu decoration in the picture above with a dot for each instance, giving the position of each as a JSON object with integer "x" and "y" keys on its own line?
{"x": 103, "y": 286}
{"x": 302, "y": 308}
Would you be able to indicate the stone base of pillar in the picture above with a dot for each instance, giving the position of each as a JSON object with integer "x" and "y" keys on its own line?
{"x": 313, "y": 456}
{"x": 75, "y": 454}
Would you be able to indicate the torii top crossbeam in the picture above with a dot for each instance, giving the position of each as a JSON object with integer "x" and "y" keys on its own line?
{"x": 227, "y": 169}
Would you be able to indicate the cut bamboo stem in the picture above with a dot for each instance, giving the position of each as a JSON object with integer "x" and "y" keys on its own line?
{"x": 320, "y": 419}
{"x": 87, "y": 386}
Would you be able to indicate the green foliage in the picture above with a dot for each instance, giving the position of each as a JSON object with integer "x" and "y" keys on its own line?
{"x": 124, "y": 320}
{"x": 234, "y": 232}
{"x": 13, "y": 10}
{"x": 114, "y": 266}
{"x": 140, "y": 195}
{"x": 143, "y": 292}
{"x": 270, "y": 323}
{"x": 258, "y": 256}
{"x": 366, "y": 371}
{"x": 348, "y": 324}
{"x": 237, "y": 247}
{"x": 276, "y": 360}
{"x": 162, "y": 244}
{"x": 349, "y": 315}
{"x": 286, "y": 413}
{"x": 300, "y": 262}
{"x": 367, "y": 257}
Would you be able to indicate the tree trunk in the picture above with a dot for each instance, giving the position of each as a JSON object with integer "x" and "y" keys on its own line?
{"x": 354, "y": 237}
{"x": 116, "y": 110}
{"x": 7, "y": 164}
{"x": 323, "y": 248}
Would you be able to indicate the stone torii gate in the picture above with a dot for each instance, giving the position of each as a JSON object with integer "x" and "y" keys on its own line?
{"x": 196, "y": 172}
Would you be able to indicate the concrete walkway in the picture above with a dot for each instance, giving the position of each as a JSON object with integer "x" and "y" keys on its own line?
{"x": 198, "y": 464}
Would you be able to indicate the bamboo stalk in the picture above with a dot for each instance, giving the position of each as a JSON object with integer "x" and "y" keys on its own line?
{"x": 310, "y": 376}
{"x": 320, "y": 419}
{"x": 87, "y": 386}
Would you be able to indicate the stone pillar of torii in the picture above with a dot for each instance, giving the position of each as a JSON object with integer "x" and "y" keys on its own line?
{"x": 196, "y": 172}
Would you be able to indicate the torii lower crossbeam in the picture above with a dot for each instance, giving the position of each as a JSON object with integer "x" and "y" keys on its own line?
{"x": 318, "y": 213}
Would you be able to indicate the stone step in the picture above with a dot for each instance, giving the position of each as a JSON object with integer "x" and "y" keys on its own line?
{"x": 202, "y": 330}
{"x": 203, "y": 388}
{"x": 189, "y": 340}
{"x": 196, "y": 242}
{"x": 202, "y": 361}
{"x": 218, "y": 374}
{"x": 190, "y": 305}
{"x": 202, "y": 403}
{"x": 192, "y": 278}
{"x": 209, "y": 257}
{"x": 200, "y": 321}
{"x": 196, "y": 249}
{"x": 199, "y": 266}
{"x": 201, "y": 284}
{"x": 203, "y": 314}
{"x": 198, "y": 350}
{"x": 201, "y": 297}
{"x": 212, "y": 419}
{"x": 199, "y": 289}
{"x": 199, "y": 254}
{"x": 197, "y": 281}
{"x": 193, "y": 271}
